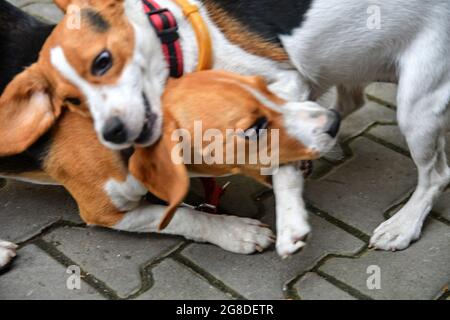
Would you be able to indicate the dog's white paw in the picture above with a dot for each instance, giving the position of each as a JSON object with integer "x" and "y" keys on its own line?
{"x": 291, "y": 238}
{"x": 396, "y": 234}
{"x": 242, "y": 235}
{"x": 7, "y": 252}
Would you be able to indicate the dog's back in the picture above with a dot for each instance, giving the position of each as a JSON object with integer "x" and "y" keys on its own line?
{"x": 21, "y": 38}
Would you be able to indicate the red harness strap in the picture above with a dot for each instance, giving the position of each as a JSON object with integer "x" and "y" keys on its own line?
{"x": 213, "y": 194}
{"x": 166, "y": 27}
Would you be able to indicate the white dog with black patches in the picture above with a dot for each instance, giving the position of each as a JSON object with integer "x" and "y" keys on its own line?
{"x": 302, "y": 48}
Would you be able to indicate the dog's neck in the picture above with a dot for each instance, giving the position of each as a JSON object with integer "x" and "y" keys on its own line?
{"x": 146, "y": 36}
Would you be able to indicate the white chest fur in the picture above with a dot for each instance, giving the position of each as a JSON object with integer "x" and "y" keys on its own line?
{"x": 125, "y": 195}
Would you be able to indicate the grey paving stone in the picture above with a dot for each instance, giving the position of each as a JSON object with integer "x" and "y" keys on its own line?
{"x": 173, "y": 281}
{"x": 363, "y": 118}
{"x": 361, "y": 190}
{"x": 393, "y": 135}
{"x": 262, "y": 276}
{"x": 113, "y": 257}
{"x": 390, "y": 134}
{"x": 386, "y": 92}
{"x": 313, "y": 287}
{"x": 21, "y": 3}
{"x": 421, "y": 272}
{"x": 35, "y": 275}
{"x": 26, "y": 209}
{"x": 45, "y": 11}
{"x": 320, "y": 168}
{"x": 336, "y": 154}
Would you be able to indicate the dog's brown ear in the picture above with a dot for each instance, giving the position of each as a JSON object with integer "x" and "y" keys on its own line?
{"x": 26, "y": 111}
{"x": 165, "y": 177}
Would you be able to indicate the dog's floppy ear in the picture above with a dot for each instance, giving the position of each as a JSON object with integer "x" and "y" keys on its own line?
{"x": 165, "y": 177}
{"x": 26, "y": 111}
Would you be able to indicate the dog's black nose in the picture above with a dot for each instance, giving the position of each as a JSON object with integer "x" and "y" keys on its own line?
{"x": 334, "y": 123}
{"x": 115, "y": 131}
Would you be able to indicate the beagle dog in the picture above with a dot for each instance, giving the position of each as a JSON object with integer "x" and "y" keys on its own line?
{"x": 110, "y": 195}
{"x": 108, "y": 186}
{"x": 301, "y": 47}
{"x": 105, "y": 60}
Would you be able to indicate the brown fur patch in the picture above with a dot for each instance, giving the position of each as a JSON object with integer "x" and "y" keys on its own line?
{"x": 79, "y": 162}
{"x": 82, "y": 45}
{"x": 241, "y": 36}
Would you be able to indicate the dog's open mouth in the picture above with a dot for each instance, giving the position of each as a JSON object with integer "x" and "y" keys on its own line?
{"x": 149, "y": 123}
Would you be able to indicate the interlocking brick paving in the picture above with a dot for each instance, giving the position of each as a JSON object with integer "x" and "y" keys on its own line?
{"x": 421, "y": 272}
{"x": 364, "y": 187}
{"x": 173, "y": 281}
{"x": 35, "y": 275}
{"x": 115, "y": 258}
{"x": 358, "y": 185}
{"x": 313, "y": 287}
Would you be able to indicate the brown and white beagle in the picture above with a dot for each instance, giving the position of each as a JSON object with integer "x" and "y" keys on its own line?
{"x": 105, "y": 59}
{"x": 110, "y": 195}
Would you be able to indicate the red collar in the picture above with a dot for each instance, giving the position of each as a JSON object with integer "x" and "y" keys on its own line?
{"x": 166, "y": 28}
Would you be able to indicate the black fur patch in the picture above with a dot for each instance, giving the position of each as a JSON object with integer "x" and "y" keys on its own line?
{"x": 28, "y": 161}
{"x": 126, "y": 154}
{"x": 96, "y": 20}
{"x": 267, "y": 18}
{"x": 21, "y": 39}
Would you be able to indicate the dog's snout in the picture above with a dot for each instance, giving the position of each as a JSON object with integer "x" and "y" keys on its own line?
{"x": 115, "y": 131}
{"x": 334, "y": 124}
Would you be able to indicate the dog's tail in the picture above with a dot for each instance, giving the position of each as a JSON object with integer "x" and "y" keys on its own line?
{"x": 21, "y": 38}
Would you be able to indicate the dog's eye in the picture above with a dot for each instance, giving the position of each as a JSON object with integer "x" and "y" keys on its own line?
{"x": 73, "y": 101}
{"x": 257, "y": 128}
{"x": 102, "y": 63}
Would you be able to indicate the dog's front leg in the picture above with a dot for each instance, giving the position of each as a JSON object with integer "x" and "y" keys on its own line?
{"x": 7, "y": 252}
{"x": 292, "y": 217}
{"x": 235, "y": 234}
{"x": 288, "y": 182}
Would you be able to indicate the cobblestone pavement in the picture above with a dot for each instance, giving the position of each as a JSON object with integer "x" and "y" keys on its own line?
{"x": 357, "y": 186}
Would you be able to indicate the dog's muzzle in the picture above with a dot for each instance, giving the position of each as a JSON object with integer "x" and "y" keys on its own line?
{"x": 116, "y": 131}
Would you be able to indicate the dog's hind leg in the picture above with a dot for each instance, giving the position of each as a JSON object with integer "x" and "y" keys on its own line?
{"x": 423, "y": 112}
{"x": 7, "y": 252}
{"x": 349, "y": 99}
